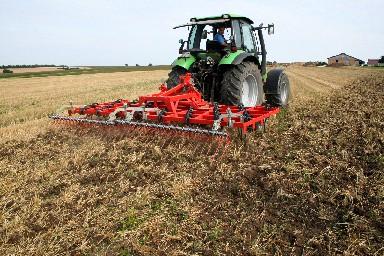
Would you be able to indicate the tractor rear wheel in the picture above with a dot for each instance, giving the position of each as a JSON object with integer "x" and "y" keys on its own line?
{"x": 242, "y": 84}
{"x": 174, "y": 77}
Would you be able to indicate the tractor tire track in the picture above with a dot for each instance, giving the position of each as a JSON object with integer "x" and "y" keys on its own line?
{"x": 313, "y": 80}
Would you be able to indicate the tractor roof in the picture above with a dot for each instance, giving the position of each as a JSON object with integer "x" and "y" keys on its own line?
{"x": 215, "y": 19}
{"x": 223, "y": 16}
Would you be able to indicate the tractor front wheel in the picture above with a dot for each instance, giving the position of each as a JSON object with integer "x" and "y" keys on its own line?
{"x": 242, "y": 84}
{"x": 277, "y": 88}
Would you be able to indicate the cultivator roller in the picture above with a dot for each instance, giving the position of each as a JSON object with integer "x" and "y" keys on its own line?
{"x": 181, "y": 108}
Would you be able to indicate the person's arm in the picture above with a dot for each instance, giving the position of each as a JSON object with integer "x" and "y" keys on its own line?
{"x": 223, "y": 43}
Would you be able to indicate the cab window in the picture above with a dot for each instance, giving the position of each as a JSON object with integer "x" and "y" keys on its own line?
{"x": 210, "y": 31}
{"x": 195, "y": 36}
{"x": 237, "y": 33}
{"x": 192, "y": 37}
{"x": 248, "y": 42}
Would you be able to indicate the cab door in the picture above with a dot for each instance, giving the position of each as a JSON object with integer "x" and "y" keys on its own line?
{"x": 249, "y": 44}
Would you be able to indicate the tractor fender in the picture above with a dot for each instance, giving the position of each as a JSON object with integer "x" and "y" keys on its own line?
{"x": 235, "y": 58}
{"x": 240, "y": 56}
{"x": 185, "y": 61}
{"x": 245, "y": 56}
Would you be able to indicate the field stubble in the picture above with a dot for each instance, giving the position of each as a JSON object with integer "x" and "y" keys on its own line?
{"x": 313, "y": 184}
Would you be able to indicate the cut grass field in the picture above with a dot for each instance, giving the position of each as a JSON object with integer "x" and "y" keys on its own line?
{"x": 312, "y": 184}
{"x": 89, "y": 70}
{"x": 26, "y": 103}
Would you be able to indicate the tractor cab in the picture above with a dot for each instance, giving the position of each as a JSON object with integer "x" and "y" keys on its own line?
{"x": 201, "y": 38}
{"x": 215, "y": 64}
{"x": 239, "y": 35}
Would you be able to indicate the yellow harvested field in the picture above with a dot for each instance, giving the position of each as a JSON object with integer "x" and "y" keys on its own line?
{"x": 312, "y": 184}
{"x": 26, "y": 102}
{"x": 307, "y": 81}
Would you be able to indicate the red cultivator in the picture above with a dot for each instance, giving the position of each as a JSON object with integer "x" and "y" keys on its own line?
{"x": 180, "y": 108}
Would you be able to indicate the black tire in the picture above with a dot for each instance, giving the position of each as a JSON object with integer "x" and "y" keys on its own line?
{"x": 277, "y": 88}
{"x": 174, "y": 77}
{"x": 231, "y": 91}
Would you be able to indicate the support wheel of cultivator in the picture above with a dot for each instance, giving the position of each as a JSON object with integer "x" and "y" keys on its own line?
{"x": 174, "y": 77}
{"x": 277, "y": 88}
{"x": 242, "y": 84}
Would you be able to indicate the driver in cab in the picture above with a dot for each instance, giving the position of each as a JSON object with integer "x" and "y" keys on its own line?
{"x": 219, "y": 37}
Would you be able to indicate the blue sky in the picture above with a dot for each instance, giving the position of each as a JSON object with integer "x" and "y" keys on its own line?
{"x": 115, "y": 32}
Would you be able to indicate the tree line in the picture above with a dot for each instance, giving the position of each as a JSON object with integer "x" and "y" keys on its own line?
{"x": 27, "y": 66}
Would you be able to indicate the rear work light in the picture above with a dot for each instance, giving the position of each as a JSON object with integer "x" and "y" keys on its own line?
{"x": 233, "y": 45}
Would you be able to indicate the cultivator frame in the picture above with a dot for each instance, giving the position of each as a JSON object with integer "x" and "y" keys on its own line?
{"x": 181, "y": 108}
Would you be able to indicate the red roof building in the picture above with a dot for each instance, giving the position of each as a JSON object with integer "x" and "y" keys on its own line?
{"x": 373, "y": 62}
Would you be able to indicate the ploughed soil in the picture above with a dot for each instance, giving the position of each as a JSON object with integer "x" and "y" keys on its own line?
{"x": 312, "y": 184}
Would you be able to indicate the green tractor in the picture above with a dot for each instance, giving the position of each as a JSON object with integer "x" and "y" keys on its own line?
{"x": 233, "y": 72}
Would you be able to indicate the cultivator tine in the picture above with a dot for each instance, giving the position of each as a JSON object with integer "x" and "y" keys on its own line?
{"x": 196, "y": 140}
{"x": 141, "y": 129}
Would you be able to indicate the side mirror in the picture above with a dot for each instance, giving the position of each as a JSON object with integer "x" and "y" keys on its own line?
{"x": 204, "y": 35}
{"x": 232, "y": 40}
{"x": 271, "y": 29}
{"x": 182, "y": 43}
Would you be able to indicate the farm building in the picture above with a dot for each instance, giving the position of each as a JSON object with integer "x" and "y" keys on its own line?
{"x": 373, "y": 62}
{"x": 344, "y": 59}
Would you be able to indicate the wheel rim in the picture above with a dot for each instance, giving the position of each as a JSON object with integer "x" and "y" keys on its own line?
{"x": 250, "y": 91}
{"x": 283, "y": 91}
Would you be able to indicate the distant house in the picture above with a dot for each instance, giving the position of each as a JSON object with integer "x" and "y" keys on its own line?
{"x": 344, "y": 59}
{"x": 373, "y": 62}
